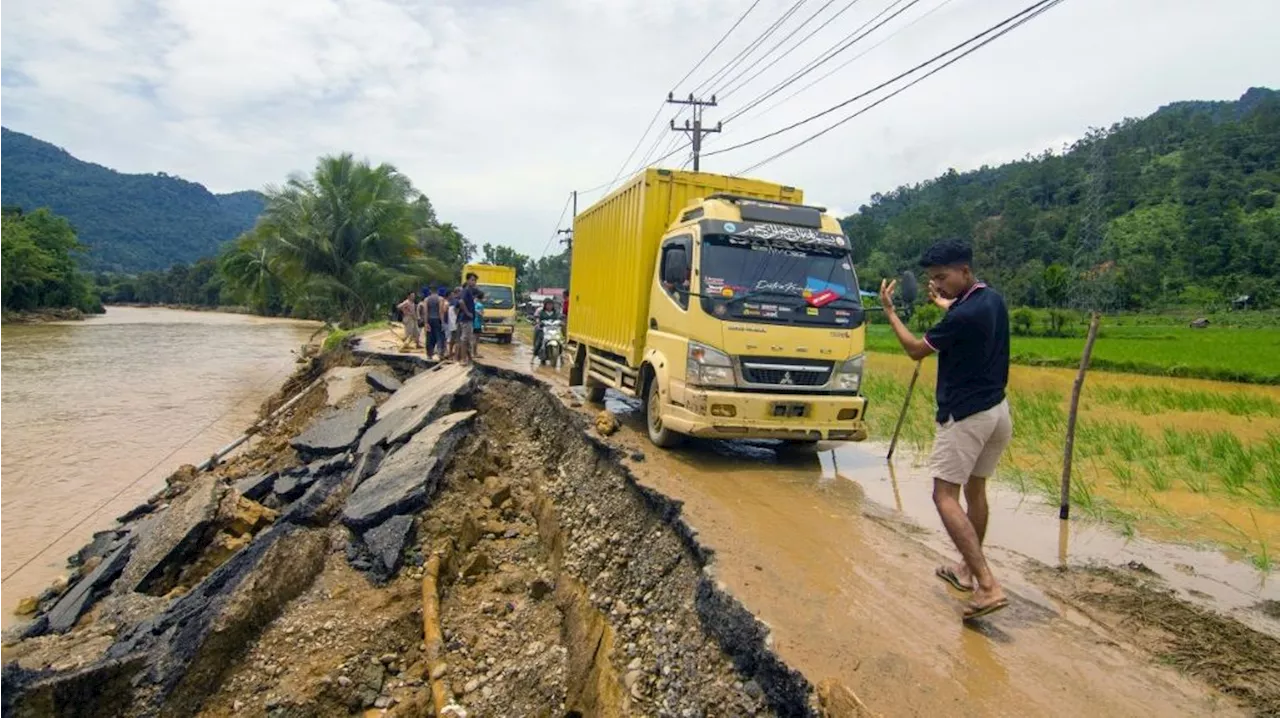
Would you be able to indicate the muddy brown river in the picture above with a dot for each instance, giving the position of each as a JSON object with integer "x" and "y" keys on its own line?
{"x": 97, "y": 413}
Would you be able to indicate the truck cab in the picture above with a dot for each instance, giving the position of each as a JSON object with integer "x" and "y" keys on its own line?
{"x": 499, "y": 286}
{"x": 753, "y": 328}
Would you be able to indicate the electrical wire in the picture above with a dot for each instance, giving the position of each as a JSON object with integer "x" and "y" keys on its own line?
{"x": 797, "y": 46}
{"x": 850, "y": 61}
{"x": 721, "y": 94}
{"x": 714, "y": 47}
{"x": 1034, "y": 11}
{"x": 828, "y": 55}
{"x": 745, "y": 52}
{"x": 556, "y": 229}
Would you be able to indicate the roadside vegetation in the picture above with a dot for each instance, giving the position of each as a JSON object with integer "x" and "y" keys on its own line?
{"x": 1188, "y": 461}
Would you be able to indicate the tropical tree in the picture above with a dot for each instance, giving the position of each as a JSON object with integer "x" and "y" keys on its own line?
{"x": 342, "y": 244}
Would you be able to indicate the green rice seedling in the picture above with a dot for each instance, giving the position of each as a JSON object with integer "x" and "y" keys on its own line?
{"x": 1122, "y": 471}
{"x": 1271, "y": 483}
{"x": 1175, "y": 443}
{"x": 1195, "y": 480}
{"x": 1159, "y": 479}
{"x": 1152, "y": 400}
{"x": 1130, "y": 442}
{"x": 1261, "y": 560}
{"x": 1237, "y": 472}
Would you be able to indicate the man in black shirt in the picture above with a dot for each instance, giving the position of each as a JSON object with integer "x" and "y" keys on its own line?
{"x": 974, "y": 427}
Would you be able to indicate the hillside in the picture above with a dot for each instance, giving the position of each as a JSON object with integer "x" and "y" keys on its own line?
{"x": 1187, "y": 198}
{"x": 129, "y": 222}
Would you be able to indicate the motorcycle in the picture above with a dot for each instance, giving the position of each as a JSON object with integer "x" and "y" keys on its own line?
{"x": 552, "y": 343}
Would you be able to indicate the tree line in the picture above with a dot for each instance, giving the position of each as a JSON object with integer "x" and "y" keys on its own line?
{"x": 40, "y": 253}
{"x": 1186, "y": 200}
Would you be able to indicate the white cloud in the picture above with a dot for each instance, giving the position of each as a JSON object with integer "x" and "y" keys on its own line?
{"x": 497, "y": 108}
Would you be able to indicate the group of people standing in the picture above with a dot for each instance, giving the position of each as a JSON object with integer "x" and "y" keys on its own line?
{"x": 450, "y": 318}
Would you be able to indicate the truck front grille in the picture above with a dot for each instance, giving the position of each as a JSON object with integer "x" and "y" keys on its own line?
{"x": 787, "y": 372}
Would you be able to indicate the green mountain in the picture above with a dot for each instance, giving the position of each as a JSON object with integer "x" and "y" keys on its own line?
{"x": 1185, "y": 202}
{"x": 129, "y": 222}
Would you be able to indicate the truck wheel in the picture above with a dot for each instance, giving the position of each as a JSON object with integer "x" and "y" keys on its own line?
{"x": 660, "y": 435}
{"x": 595, "y": 391}
{"x": 504, "y": 339}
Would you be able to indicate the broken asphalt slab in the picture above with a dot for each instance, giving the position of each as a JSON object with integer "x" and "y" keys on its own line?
{"x": 386, "y": 543}
{"x": 382, "y": 380}
{"x": 406, "y": 478}
{"x": 334, "y": 430}
{"x": 423, "y": 398}
{"x": 182, "y": 653}
{"x": 428, "y": 387}
{"x": 64, "y": 614}
{"x": 168, "y": 538}
{"x": 257, "y": 487}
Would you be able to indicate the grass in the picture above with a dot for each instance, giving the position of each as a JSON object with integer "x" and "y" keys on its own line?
{"x": 1225, "y": 354}
{"x": 338, "y": 336}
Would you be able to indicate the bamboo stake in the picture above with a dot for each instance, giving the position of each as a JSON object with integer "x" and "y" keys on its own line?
{"x": 432, "y": 635}
{"x": 893, "y": 443}
{"x": 1068, "y": 449}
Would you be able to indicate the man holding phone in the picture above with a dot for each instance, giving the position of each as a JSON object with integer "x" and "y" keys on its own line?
{"x": 974, "y": 426}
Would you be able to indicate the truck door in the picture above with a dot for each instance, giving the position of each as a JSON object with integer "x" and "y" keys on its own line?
{"x": 667, "y": 342}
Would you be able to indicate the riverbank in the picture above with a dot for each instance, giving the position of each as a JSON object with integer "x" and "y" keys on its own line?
{"x": 43, "y": 316}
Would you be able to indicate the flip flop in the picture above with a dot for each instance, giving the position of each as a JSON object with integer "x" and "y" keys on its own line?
{"x": 948, "y": 574}
{"x": 971, "y": 611}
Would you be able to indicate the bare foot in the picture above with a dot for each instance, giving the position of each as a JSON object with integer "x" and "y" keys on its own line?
{"x": 985, "y": 602}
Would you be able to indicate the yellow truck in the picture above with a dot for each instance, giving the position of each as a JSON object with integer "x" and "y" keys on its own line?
{"x": 499, "y": 286}
{"x": 726, "y": 305}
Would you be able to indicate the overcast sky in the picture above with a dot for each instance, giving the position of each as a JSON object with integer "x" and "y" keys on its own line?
{"x": 497, "y": 108}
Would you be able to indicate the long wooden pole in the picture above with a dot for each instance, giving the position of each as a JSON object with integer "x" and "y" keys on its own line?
{"x": 902, "y": 415}
{"x": 1068, "y": 449}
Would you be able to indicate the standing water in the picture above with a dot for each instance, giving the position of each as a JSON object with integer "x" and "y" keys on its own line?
{"x": 97, "y": 413}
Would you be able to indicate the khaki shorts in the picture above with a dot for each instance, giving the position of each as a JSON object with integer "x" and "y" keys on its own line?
{"x": 971, "y": 446}
{"x": 466, "y": 332}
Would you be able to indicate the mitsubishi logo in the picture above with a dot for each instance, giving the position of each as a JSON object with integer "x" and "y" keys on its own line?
{"x": 786, "y": 378}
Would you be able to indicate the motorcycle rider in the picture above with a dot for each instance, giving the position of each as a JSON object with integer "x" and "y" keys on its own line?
{"x": 547, "y": 313}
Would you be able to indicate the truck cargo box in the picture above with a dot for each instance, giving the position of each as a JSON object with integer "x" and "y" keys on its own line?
{"x": 615, "y": 246}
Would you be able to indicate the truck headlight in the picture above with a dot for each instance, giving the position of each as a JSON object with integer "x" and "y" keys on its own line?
{"x": 708, "y": 367}
{"x": 849, "y": 375}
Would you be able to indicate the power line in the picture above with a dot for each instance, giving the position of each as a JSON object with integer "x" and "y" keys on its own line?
{"x": 1035, "y": 8}
{"x": 851, "y": 60}
{"x": 745, "y": 52}
{"x": 714, "y": 47}
{"x": 555, "y": 231}
{"x": 1035, "y": 11}
{"x": 794, "y": 47}
{"x": 827, "y": 56}
{"x": 773, "y": 49}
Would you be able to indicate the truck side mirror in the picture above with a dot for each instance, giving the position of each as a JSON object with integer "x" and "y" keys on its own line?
{"x": 675, "y": 266}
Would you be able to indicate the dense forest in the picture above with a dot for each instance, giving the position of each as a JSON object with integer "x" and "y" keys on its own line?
{"x": 1182, "y": 205}
{"x": 39, "y": 257}
{"x": 128, "y": 222}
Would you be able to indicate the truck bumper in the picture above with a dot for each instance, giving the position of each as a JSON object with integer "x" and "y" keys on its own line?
{"x": 496, "y": 330}
{"x": 737, "y": 415}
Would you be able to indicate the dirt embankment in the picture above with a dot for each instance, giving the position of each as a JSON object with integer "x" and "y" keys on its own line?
{"x": 289, "y": 582}
{"x": 42, "y": 316}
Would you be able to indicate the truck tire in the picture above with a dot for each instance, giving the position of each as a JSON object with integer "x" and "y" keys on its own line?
{"x": 595, "y": 391}
{"x": 660, "y": 435}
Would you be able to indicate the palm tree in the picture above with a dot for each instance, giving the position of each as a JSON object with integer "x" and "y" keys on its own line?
{"x": 343, "y": 242}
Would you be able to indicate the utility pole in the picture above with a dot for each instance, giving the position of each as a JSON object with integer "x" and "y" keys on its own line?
{"x": 695, "y": 129}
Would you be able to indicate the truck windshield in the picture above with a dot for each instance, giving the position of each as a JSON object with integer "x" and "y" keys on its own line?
{"x": 496, "y": 296}
{"x": 762, "y": 282}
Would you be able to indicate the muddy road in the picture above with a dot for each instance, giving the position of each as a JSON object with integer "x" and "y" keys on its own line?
{"x": 835, "y": 551}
